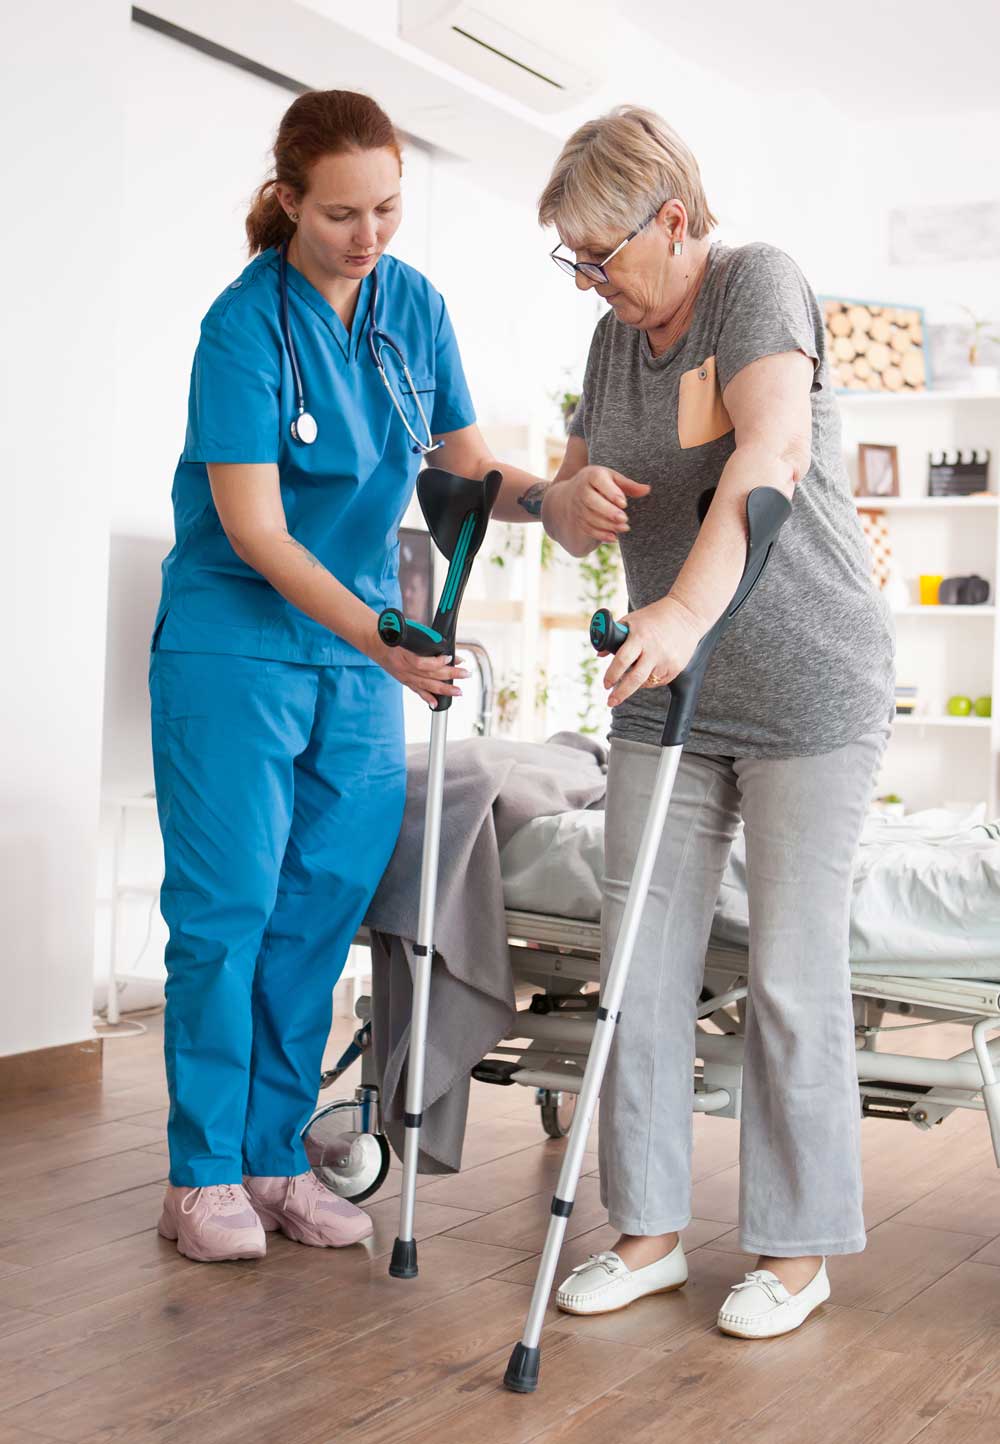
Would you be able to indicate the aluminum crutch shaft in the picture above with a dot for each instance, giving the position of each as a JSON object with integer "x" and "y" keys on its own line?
{"x": 522, "y": 1370}
{"x": 404, "y": 1263}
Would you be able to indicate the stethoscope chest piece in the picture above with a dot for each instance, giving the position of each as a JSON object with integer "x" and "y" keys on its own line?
{"x": 304, "y": 428}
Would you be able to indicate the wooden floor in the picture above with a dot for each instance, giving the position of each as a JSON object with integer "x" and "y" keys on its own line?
{"x": 106, "y": 1333}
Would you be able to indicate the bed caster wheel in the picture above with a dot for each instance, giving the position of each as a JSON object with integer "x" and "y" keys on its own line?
{"x": 557, "y": 1111}
{"x": 347, "y": 1158}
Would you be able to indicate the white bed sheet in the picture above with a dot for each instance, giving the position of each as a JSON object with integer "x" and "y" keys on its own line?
{"x": 926, "y": 888}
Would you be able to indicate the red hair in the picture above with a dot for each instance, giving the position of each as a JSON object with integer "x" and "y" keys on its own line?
{"x": 321, "y": 122}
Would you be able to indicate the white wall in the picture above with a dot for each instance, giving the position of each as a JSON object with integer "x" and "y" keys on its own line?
{"x": 61, "y": 110}
{"x": 197, "y": 142}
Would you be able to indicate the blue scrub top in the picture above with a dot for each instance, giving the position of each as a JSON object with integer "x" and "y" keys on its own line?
{"x": 345, "y": 495}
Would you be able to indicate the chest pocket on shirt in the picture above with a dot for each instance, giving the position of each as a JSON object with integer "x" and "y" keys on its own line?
{"x": 424, "y": 386}
{"x": 701, "y": 416}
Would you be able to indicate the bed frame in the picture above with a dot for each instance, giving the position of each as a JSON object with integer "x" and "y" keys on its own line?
{"x": 555, "y": 963}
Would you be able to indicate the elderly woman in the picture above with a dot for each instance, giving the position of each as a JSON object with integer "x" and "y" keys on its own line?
{"x": 709, "y": 371}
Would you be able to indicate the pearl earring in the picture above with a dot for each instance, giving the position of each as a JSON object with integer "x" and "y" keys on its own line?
{"x": 293, "y": 216}
{"x": 678, "y": 248}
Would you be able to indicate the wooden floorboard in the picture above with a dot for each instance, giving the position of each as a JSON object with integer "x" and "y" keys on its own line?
{"x": 109, "y": 1336}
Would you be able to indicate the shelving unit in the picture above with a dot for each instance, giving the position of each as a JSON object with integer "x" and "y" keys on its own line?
{"x": 535, "y": 628}
{"x": 942, "y": 650}
{"x": 927, "y": 503}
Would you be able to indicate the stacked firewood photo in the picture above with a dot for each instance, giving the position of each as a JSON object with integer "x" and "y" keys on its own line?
{"x": 874, "y": 347}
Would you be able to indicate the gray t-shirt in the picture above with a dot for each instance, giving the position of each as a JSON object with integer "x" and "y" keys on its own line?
{"x": 807, "y": 665}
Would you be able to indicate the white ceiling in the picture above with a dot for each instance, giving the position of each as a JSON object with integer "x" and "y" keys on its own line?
{"x": 868, "y": 56}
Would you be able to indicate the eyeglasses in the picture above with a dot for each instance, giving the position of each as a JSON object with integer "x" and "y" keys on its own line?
{"x": 591, "y": 269}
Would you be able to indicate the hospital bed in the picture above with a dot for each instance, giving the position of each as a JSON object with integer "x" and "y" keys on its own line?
{"x": 925, "y": 951}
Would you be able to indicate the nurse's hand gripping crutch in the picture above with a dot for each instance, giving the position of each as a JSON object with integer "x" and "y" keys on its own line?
{"x": 767, "y": 510}
{"x": 457, "y": 511}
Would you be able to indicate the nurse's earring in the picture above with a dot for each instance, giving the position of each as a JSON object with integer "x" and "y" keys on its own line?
{"x": 677, "y": 247}
{"x": 293, "y": 216}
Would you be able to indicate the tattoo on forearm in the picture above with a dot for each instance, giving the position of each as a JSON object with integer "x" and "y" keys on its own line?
{"x": 313, "y": 561}
{"x": 532, "y": 498}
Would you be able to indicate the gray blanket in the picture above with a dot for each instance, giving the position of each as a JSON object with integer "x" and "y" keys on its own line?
{"x": 492, "y": 788}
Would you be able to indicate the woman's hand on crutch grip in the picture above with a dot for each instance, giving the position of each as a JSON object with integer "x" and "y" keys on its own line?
{"x": 660, "y": 643}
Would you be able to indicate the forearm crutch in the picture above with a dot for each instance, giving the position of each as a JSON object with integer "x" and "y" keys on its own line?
{"x": 457, "y": 511}
{"x": 767, "y": 510}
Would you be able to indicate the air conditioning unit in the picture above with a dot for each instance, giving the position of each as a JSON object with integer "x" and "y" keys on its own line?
{"x": 544, "y": 53}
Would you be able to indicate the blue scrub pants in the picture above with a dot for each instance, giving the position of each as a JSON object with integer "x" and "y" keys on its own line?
{"x": 280, "y": 789}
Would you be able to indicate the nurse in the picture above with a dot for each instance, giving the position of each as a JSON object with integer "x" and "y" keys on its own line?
{"x": 276, "y": 709}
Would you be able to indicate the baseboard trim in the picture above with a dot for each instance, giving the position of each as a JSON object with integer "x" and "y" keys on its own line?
{"x": 44, "y": 1068}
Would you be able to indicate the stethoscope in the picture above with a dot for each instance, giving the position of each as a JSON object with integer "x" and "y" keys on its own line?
{"x": 303, "y": 426}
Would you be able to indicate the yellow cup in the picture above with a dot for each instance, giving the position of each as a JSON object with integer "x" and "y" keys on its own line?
{"x": 929, "y": 591}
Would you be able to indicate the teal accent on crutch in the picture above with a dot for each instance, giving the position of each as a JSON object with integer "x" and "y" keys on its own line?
{"x": 427, "y": 631}
{"x": 453, "y": 582}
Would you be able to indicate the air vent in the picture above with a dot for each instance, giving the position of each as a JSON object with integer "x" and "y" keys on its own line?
{"x": 544, "y": 55}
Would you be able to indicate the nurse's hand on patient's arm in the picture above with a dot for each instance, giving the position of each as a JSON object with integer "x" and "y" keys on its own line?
{"x": 248, "y": 501}
{"x": 590, "y": 507}
{"x": 585, "y": 505}
{"x": 580, "y": 508}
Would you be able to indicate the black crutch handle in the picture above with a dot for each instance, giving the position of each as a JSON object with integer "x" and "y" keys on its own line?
{"x": 606, "y": 635}
{"x": 397, "y": 631}
{"x": 767, "y": 511}
{"x": 457, "y": 510}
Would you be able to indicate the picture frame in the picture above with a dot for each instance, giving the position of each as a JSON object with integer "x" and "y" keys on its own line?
{"x": 876, "y": 345}
{"x": 416, "y": 574}
{"x": 878, "y": 470}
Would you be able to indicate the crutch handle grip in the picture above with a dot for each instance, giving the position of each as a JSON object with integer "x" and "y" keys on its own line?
{"x": 606, "y": 635}
{"x": 767, "y": 511}
{"x": 396, "y": 630}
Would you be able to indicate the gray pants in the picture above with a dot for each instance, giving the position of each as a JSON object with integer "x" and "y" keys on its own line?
{"x": 800, "y": 1173}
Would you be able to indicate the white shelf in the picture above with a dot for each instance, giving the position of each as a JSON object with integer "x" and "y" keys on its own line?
{"x": 944, "y": 611}
{"x": 925, "y": 503}
{"x": 975, "y": 723}
{"x": 914, "y": 398}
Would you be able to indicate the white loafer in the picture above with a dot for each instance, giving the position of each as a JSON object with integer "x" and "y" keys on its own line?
{"x": 761, "y": 1307}
{"x": 605, "y": 1283}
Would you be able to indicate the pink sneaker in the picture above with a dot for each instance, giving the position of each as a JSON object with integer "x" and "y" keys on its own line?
{"x": 212, "y": 1223}
{"x": 307, "y": 1212}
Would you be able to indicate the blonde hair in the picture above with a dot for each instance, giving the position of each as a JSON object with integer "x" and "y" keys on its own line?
{"x": 615, "y": 170}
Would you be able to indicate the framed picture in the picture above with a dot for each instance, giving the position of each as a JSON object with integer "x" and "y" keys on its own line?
{"x": 875, "y": 345}
{"x": 416, "y": 573}
{"x": 878, "y": 470}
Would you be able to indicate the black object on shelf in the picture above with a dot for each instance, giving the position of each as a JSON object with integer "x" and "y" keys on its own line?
{"x": 971, "y": 591}
{"x": 962, "y": 476}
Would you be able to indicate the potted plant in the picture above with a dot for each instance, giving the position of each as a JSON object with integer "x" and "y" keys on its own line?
{"x": 566, "y": 399}
{"x": 505, "y": 704}
{"x": 984, "y": 377}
